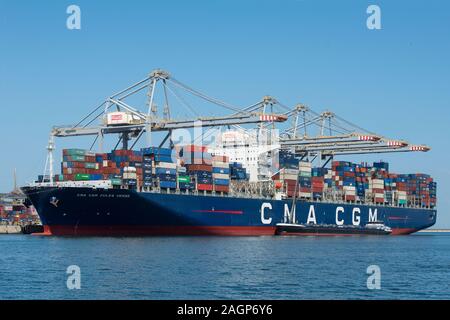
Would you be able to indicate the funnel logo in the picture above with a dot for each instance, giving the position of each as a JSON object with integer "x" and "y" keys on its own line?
{"x": 54, "y": 201}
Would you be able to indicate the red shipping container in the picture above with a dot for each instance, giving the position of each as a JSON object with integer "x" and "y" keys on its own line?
{"x": 194, "y": 148}
{"x": 204, "y": 187}
{"x": 290, "y": 182}
{"x": 225, "y": 189}
{"x": 220, "y": 158}
{"x": 77, "y": 164}
{"x": 349, "y": 174}
{"x": 318, "y": 184}
{"x": 199, "y": 167}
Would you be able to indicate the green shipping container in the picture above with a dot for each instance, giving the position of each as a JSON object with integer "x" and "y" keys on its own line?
{"x": 75, "y": 152}
{"x": 90, "y": 165}
{"x": 116, "y": 182}
{"x": 305, "y": 174}
{"x": 78, "y": 158}
{"x": 185, "y": 179}
{"x": 82, "y": 177}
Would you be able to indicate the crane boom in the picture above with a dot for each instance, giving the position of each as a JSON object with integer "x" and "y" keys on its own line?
{"x": 169, "y": 125}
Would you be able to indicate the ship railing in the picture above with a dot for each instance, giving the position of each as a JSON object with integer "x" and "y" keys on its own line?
{"x": 245, "y": 193}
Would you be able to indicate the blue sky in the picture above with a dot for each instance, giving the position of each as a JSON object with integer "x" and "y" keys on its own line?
{"x": 394, "y": 81}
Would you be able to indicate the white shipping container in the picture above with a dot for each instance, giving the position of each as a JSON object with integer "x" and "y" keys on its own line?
{"x": 288, "y": 176}
{"x": 221, "y": 176}
{"x": 129, "y": 175}
{"x": 377, "y": 185}
{"x": 166, "y": 165}
{"x": 289, "y": 171}
{"x": 118, "y": 118}
{"x": 305, "y": 164}
{"x": 305, "y": 195}
{"x": 219, "y": 164}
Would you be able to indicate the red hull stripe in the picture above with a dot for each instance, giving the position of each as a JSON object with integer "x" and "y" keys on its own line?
{"x": 325, "y": 234}
{"x": 395, "y": 232}
{"x": 60, "y": 230}
{"x": 157, "y": 230}
{"x": 398, "y": 218}
{"x": 220, "y": 211}
{"x": 402, "y": 231}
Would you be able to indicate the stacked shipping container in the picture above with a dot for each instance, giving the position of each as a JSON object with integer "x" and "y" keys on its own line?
{"x": 193, "y": 168}
{"x": 356, "y": 183}
{"x": 221, "y": 173}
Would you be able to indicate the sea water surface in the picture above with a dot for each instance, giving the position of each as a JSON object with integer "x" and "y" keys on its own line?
{"x": 411, "y": 267}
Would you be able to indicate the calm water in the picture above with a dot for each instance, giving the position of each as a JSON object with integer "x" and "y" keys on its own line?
{"x": 416, "y": 267}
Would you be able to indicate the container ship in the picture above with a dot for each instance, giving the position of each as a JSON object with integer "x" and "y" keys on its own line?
{"x": 239, "y": 186}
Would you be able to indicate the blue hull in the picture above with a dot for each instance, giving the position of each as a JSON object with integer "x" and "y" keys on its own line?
{"x": 85, "y": 211}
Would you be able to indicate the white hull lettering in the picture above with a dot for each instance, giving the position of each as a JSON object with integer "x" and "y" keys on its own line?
{"x": 264, "y": 220}
{"x": 373, "y": 215}
{"x": 311, "y": 215}
{"x": 356, "y": 219}
{"x": 339, "y": 222}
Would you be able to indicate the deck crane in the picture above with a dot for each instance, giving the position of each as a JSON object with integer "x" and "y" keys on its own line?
{"x": 130, "y": 123}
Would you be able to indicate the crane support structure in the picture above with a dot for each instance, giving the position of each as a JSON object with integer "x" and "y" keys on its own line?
{"x": 318, "y": 134}
{"x": 342, "y": 137}
{"x": 150, "y": 121}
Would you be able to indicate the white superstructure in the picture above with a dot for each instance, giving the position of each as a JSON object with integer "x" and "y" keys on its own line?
{"x": 243, "y": 146}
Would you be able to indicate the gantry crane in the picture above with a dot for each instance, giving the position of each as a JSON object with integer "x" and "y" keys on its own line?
{"x": 333, "y": 135}
{"x": 139, "y": 123}
{"x": 336, "y": 136}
